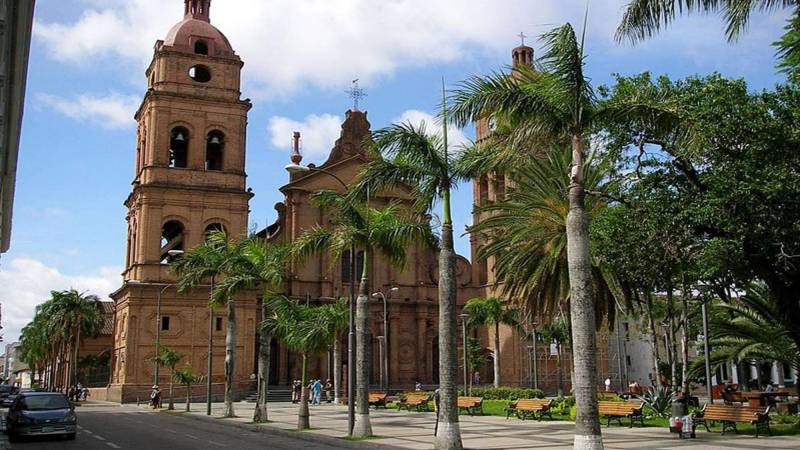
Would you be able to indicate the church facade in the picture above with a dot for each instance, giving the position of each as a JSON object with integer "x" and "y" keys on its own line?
{"x": 190, "y": 179}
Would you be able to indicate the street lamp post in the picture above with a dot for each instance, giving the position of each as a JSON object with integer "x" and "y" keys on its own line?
{"x": 296, "y": 168}
{"x": 385, "y": 357}
{"x": 535, "y": 359}
{"x": 464, "y": 317}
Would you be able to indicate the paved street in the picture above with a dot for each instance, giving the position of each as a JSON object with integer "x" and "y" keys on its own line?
{"x": 104, "y": 428}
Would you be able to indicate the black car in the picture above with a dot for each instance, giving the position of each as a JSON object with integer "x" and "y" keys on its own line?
{"x": 6, "y": 391}
{"x": 41, "y": 414}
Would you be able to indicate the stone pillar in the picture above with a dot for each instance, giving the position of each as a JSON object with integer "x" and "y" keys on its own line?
{"x": 755, "y": 374}
{"x": 734, "y": 370}
{"x": 777, "y": 374}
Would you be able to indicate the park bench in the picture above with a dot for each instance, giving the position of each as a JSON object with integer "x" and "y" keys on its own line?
{"x": 471, "y": 404}
{"x": 416, "y": 400}
{"x": 730, "y": 415}
{"x": 620, "y": 410}
{"x": 530, "y": 408}
{"x": 377, "y": 399}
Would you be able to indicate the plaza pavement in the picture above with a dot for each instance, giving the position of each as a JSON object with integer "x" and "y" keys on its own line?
{"x": 411, "y": 430}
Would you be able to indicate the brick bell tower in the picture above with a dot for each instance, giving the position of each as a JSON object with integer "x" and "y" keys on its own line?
{"x": 189, "y": 179}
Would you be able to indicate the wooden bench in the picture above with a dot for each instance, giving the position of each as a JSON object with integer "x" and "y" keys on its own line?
{"x": 377, "y": 399}
{"x": 730, "y": 415}
{"x": 416, "y": 400}
{"x": 471, "y": 404}
{"x": 530, "y": 408}
{"x": 620, "y": 410}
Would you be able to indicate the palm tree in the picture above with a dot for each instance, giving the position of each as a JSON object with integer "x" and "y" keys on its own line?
{"x": 492, "y": 312}
{"x": 336, "y": 315}
{"x": 78, "y": 315}
{"x": 554, "y": 105}
{"x": 355, "y": 224}
{"x": 644, "y": 18}
{"x": 257, "y": 264}
{"x": 186, "y": 377}
{"x": 408, "y": 155}
{"x": 35, "y": 346}
{"x": 304, "y": 329}
{"x": 750, "y": 328}
{"x": 210, "y": 261}
{"x": 169, "y": 358}
{"x": 526, "y": 234}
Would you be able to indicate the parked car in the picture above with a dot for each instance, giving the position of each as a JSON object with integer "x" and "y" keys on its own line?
{"x": 41, "y": 414}
{"x": 9, "y": 399}
{"x": 7, "y": 390}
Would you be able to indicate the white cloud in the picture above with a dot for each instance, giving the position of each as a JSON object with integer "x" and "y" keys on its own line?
{"x": 318, "y": 134}
{"x": 455, "y": 136}
{"x": 27, "y": 283}
{"x": 289, "y": 44}
{"x": 109, "y": 111}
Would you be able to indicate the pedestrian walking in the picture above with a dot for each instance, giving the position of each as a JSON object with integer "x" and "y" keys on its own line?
{"x": 155, "y": 397}
{"x": 328, "y": 390}
{"x": 316, "y": 388}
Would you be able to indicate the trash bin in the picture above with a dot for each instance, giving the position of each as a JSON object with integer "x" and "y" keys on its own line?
{"x": 680, "y": 408}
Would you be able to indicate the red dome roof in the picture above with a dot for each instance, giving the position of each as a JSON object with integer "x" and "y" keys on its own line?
{"x": 189, "y": 31}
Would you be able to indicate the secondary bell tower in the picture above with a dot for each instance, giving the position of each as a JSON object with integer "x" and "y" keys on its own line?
{"x": 189, "y": 180}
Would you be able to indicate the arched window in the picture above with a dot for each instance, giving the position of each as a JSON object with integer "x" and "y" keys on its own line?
{"x": 172, "y": 237}
{"x": 215, "y": 144}
{"x": 213, "y": 228}
{"x": 201, "y": 48}
{"x": 179, "y": 147}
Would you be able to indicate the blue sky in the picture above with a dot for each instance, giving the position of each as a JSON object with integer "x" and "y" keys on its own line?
{"x": 86, "y": 77}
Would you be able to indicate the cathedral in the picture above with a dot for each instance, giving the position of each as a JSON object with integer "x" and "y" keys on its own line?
{"x": 190, "y": 179}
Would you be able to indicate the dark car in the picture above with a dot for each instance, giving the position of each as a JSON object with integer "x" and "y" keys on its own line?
{"x": 6, "y": 391}
{"x": 9, "y": 399}
{"x": 41, "y": 414}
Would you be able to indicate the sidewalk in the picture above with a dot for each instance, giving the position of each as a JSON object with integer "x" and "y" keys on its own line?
{"x": 400, "y": 429}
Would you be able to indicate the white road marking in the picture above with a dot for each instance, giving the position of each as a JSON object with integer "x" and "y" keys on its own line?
{"x": 87, "y": 431}
{"x": 191, "y": 436}
{"x": 166, "y": 429}
{"x": 216, "y": 443}
{"x": 99, "y": 438}
{"x": 112, "y": 445}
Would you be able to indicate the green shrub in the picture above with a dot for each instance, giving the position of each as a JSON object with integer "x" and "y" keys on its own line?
{"x": 573, "y": 413}
{"x": 504, "y": 393}
{"x": 562, "y": 405}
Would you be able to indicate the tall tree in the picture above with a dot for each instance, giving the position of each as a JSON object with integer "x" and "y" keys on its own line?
{"x": 409, "y": 156}
{"x": 644, "y": 18}
{"x": 556, "y": 331}
{"x": 257, "y": 264}
{"x": 305, "y": 329}
{"x": 79, "y": 316}
{"x": 525, "y": 233}
{"x": 210, "y": 261}
{"x": 387, "y": 231}
{"x": 493, "y": 313}
{"x": 544, "y": 108}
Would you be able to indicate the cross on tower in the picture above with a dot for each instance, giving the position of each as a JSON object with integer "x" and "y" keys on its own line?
{"x": 522, "y": 37}
{"x": 356, "y": 93}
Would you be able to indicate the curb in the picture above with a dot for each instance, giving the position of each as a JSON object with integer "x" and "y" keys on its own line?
{"x": 308, "y": 436}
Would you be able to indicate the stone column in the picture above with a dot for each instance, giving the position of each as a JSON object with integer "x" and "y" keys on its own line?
{"x": 734, "y": 372}
{"x": 777, "y": 374}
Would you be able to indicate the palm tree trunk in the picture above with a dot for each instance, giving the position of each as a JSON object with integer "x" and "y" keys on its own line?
{"x": 337, "y": 370}
{"x": 261, "y": 415}
{"x": 685, "y": 344}
{"x": 497, "y": 354}
{"x": 188, "y": 398}
{"x": 303, "y": 422}
{"x": 75, "y": 355}
{"x": 584, "y": 348}
{"x": 363, "y": 426}
{"x": 448, "y": 436}
{"x": 230, "y": 353}
{"x": 171, "y": 385}
{"x": 651, "y": 323}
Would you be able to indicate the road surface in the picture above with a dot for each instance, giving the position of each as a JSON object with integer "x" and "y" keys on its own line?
{"x": 106, "y": 428}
